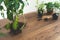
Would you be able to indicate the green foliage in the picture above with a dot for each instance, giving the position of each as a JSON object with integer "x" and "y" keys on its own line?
{"x": 20, "y": 12}
{"x": 2, "y": 14}
{"x": 7, "y": 26}
{"x": 1, "y": 1}
{"x": 49, "y": 5}
{"x": 57, "y": 5}
{"x": 12, "y": 10}
{"x": 9, "y": 15}
{"x": 41, "y": 6}
{"x": 1, "y": 7}
{"x": 12, "y": 7}
{"x": 17, "y": 5}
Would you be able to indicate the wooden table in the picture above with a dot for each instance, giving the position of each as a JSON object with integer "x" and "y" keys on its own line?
{"x": 37, "y": 30}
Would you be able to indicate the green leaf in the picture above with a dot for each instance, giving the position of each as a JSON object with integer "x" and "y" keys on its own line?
{"x": 49, "y": 5}
{"x": 22, "y": 4}
{"x": 1, "y": 7}
{"x": 2, "y": 14}
{"x": 9, "y": 5}
{"x": 6, "y": 2}
{"x": 9, "y": 15}
{"x": 20, "y": 11}
{"x": 21, "y": 1}
{"x": 1, "y": 1}
{"x": 17, "y": 1}
{"x": 41, "y": 6}
{"x": 57, "y": 5}
{"x": 17, "y": 5}
{"x": 7, "y": 26}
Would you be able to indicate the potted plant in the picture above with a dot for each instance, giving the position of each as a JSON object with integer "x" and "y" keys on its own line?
{"x": 14, "y": 8}
{"x": 49, "y": 7}
{"x": 40, "y": 10}
{"x": 55, "y": 15}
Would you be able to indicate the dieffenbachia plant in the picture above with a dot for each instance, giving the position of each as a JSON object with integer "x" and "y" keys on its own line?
{"x": 14, "y": 8}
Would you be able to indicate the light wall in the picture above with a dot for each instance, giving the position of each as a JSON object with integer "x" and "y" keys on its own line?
{"x": 32, "y": 5}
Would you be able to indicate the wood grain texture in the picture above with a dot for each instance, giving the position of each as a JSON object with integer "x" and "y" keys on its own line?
{"x": 37, "y": 30}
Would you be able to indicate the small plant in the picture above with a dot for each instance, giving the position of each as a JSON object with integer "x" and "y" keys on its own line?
{"x": 14, "y": 8}
{"x": 57, "y": 5}
{"x": 50, "y": 6}
{"x": 40, "y": 8}
{"x": 55, "y": 15}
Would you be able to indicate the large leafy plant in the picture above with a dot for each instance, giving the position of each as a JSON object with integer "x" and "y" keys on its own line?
{"x": 14, "y": 8}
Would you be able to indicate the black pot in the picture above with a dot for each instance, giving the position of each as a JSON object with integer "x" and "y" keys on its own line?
{"x": 55, "y": 16}
{"x": 18, "y": 30}
{"x": 49, "y": 11}
{"x": 40, "y": 14}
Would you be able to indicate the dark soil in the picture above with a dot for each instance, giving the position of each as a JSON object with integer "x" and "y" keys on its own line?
{"x": 49, "y": 12}
{"x": 18, "y": 30}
